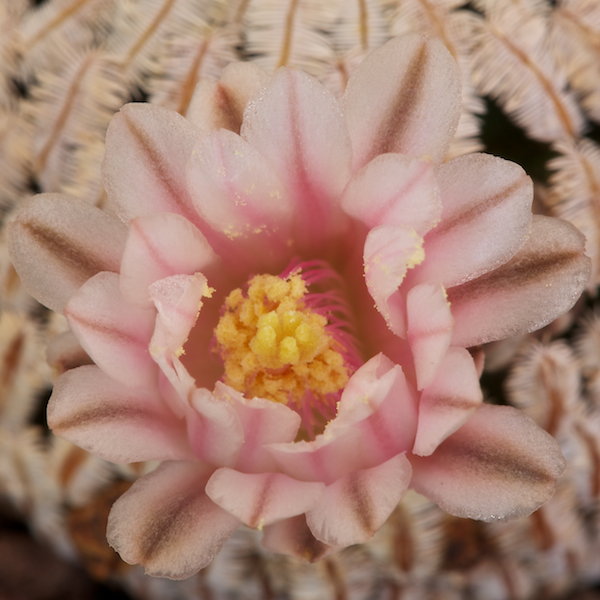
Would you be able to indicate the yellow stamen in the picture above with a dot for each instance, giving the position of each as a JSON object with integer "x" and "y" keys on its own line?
{"x": 274, "y": 347}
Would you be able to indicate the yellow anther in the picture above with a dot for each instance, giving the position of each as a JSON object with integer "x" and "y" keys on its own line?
{"x": 276, "y": 291}
{"x": 264, "y": 343}
{"x": 308, "y": 340}
{"x": 270, "y": 319}
{"x": 274, "y": 347}
{"x": 290, "y": 321}
{"x": 288, "y": 351}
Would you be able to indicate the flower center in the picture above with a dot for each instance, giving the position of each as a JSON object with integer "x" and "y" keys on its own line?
{"x": 274, "y": 347}
{"x": 281, "y": 343}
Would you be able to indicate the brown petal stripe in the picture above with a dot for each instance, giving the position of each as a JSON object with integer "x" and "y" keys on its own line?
{"x": 399, "y": 114}
{"x": 361, "y": 503}
{"x": 456, "y": 402}
{"x": 176, "y": 189}
{"x": 471, "y": 212}
{"x": 523, "y": 271}
{"x": 168, "y": 524}
{"x": 261, "y": 501}
{"x": 304, "y": 542}
{"x": 509, "y": 463}
{"x": 184, "y": 527}
{"x": 106, "y": 330}
{"x": 99, "y": 414}
{"x": 231, "y": 118}
{"x": 78, "y": 257}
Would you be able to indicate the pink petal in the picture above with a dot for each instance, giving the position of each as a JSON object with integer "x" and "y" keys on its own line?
{"x": 117, "y": 423}
{"x": 262, "y": 498}
{"x": 237, "y": 193}
{"x": 147, "y": 148}
{"x": 430, "y": 327}
{"x": 377, "y": 419}
{"x": 263, "y": 422}
{"x": 158, "y": 246}
{"x": 294, "y": 538}
{"x": 389, "y": 252}
{"x": 394, "y": 189}
{"x": 325, "y": 459}
{"x": 379, "y": 402}
{"x": 115, "y": 334}
{"x": 478, "y": 192}
{"x": 176, "y": 386}
{"x": 234, "y": 188}
{"x": 297, "y": 125}
{"x": 57, "y": 242}
{"x": 168, "y": 524}
{"x": 215, "y": 430}
{"x": 499, "y": 465}
{"x": 357, "y": 505}
{"x": 178, "y": 300}
{"x": 220, "y": 104}
{"x": 448, "y": 402}
{"x": 405, "y": 98}
{"x": 541, "y": 282}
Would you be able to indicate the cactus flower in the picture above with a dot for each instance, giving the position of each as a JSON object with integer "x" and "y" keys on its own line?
{"x": 282, "y": 301}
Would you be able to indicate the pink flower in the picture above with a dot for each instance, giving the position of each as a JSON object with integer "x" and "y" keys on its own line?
{"x": 231, "y": 323}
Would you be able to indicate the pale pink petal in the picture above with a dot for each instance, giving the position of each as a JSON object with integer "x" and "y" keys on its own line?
{"x": 448, "y": 402}
{"x": 389, "y": 252}
{"x": 57, "y": 242}
{"x": 261, "y": 499}
{"x": 263, "y": 422}
{"x": 430, "y": 327}
{"x": 178, "y": 300}
{"x": 377, "y": 419}
{"x": 117, "y": 423}
{"x": 381, "y": 404}
{"x": 294, "y": 538}
{"x": 147, "y": 148}
{"x": 113, "y": 332}
{"x": 486, "y": 216}
{"x": 220, "y": 104}
{"x": 237, "y": 193}
{"x": 394, "y": 189}
{"x": 405, "y": 98}
{"x": 541, "y": 282}
{"x": 297, "y": 125}
{"x": 167, "y": 523}
{"x": 325, "y": 459}
{"x": 215, "y": 430}
{"x": 176, "y": 385}
{"x": 158, "y": 246}
{"x": 357, "y": 505}
{"x": 234, "y": 188}
{"x": 499, "y": 465}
